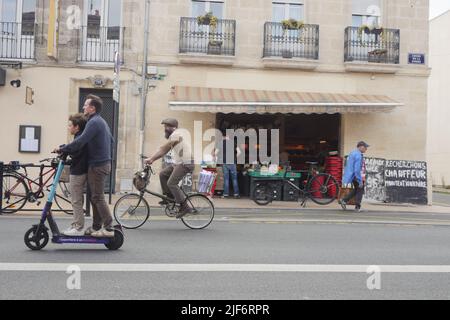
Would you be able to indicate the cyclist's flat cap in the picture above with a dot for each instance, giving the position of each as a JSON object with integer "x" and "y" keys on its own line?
{"x": 362, "y": 144}
{"x": 170, "y": 122}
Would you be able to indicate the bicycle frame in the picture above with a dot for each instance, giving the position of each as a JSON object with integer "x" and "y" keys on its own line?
{"x": 39, "y": 192}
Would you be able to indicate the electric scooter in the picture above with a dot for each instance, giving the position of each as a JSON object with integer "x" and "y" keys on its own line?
{"x": 37, "y": 237}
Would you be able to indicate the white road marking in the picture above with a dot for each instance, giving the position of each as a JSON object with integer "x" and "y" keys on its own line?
{"x": 103, "y": 267}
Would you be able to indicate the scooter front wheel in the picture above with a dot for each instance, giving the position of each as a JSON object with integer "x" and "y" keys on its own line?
{"x": 116, "y": 242}
{"x": 36, "y": 241}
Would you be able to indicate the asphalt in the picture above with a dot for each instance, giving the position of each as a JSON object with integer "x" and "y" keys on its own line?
{"x": 442, "y": 199}
{"x": 231, "y": 242}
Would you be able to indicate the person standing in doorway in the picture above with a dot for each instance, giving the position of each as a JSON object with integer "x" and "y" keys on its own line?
{"x": 355, "y": 174}
{"x": 229, "y": 167}
{"x": 97, "y": 136}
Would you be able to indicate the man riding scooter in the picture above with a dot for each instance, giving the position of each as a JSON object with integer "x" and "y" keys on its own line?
{"x": 98, "y": 138}
{"x": 182, "y": 164}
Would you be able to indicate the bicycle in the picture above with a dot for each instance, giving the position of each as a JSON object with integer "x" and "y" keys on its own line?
{"x": 132, "y": 210}
{"x": 18, "y": 188}
{"x": 321, "y": 188}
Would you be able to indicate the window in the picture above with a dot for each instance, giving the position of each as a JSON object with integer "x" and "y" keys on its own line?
{"x": 28, "y": 17}
{"x": 20, "y": 12}
{"x": 103, "y": 14}
{"x": 8, "y": 10}
{"x": 288, "y": 10}
{"x": 200, "y": 7}
{"x": 366, "y": 12}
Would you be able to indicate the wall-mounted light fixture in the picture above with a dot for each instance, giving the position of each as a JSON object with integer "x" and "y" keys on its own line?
{"x": 16, "y": 83}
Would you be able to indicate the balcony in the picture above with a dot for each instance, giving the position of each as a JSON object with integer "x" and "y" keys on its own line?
{"x": 17, "y": 40}
{"x": 206, "y": 44}
{"x": 99, "y": 44}
{"x": 376, "y": 50}
{"x": 298, "y": 48}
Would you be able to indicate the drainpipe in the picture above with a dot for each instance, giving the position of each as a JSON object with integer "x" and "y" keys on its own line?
{"x": 144, "y": 88}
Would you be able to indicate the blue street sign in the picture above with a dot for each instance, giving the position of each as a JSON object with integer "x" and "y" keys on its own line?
{"x": 416, "y": 58}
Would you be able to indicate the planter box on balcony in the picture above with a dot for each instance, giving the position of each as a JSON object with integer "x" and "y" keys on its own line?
{"x": 287, "y": 54}
{"x": 215, "y": 47}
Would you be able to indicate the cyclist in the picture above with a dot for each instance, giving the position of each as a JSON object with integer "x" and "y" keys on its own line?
{"x": 170, "y": 177}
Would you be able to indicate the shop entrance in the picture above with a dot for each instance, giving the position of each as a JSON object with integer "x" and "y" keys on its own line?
{"x": 303, "y": 138}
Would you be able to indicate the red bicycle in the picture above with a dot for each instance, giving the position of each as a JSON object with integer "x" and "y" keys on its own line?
{"x": 18, "y": 188}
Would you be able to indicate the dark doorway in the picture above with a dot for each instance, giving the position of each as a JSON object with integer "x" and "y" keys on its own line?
{"x": 110, "y": 113}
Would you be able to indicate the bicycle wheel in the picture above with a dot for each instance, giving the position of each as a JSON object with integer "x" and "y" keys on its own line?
{"x": 203, "y": 212}
{"x": 263, "y": 194}
{"x": 319, "y": 189}
{"x": 15, "y": 193}
{"x": 131, "y": 211}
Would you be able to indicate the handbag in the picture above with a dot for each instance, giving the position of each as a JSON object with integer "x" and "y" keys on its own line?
{"x": 343, "y": 192}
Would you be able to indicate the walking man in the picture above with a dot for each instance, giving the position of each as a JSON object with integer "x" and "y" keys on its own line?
{"x": 98, "y": 139}
{"x": 355, "y": 174}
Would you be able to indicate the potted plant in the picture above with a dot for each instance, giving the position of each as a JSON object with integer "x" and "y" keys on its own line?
{"x": 287, "y": 54}
{"x": 214, "y": 47}
{"x": 208, "y": 19}
{"x": 377, "y": 55}
{"x": 376, "y": 30}
{"x": 292, "y": 24}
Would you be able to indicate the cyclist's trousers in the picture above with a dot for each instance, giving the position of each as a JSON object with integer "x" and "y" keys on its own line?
{"x": 171, "y": 176}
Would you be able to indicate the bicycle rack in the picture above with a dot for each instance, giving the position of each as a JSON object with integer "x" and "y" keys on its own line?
{"x": 2, "y": 167}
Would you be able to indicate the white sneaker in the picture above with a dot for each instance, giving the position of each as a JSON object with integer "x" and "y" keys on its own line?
{"x": 103, "y": 233}
{"x": 72, "y": 232}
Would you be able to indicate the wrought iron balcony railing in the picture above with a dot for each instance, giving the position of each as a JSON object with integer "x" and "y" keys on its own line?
{"x": 286, "y": 43}
{"x": 199, "y": 38}
{"x": 372, "y": 45}
{"x": 99, "y": 44}
{"x": 17, "y": 40}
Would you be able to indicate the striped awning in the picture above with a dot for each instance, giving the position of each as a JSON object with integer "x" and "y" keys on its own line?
{"x": 220, "y": 100}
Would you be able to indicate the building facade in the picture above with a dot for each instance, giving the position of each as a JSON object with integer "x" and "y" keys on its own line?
{"x": 338, "y": 74}
{"x": 439, "y": 99}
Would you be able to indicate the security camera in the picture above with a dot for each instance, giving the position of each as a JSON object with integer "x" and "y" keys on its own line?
{"x": 16, "y": 83}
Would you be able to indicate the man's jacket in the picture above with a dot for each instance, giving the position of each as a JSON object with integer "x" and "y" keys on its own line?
{"x": 353, "y": 168}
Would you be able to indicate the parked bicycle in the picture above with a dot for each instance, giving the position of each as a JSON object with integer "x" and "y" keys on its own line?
{"x": 132, "y": 210}
{"x": 321, "y": 188}
{"x": 19, "y": 188}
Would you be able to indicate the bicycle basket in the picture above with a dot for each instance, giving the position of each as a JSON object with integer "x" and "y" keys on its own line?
{"x": 65, "y": 175}
{"x": 140, "y": 180}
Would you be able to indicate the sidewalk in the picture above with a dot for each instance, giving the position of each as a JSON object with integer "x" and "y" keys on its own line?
{"x": 278, "y": 208}
{"x": 441, "y": 190}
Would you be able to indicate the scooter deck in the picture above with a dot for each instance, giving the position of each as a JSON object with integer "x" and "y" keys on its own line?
{"x": 61, "y": 239}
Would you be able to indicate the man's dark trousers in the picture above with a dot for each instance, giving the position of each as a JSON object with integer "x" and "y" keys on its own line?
{"x": 101, "y": 212}
{"x": 357, "y": 193}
